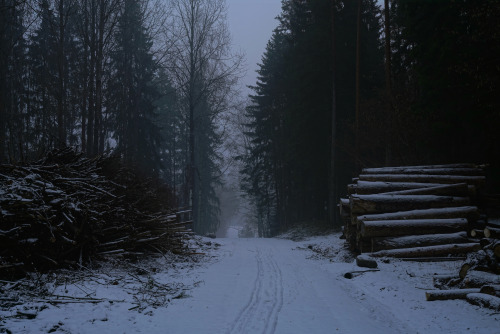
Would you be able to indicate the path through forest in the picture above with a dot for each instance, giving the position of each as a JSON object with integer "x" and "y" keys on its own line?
{"x": 277, "y": 286}
{"x": 253, "y": 286}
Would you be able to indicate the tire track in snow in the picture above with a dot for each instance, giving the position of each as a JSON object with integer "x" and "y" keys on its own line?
{"x": 277, "y": 281}
{"x": 260, "y": 313}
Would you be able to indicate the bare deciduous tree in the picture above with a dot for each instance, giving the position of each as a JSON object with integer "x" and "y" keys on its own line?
{"x": 204, "y": 67}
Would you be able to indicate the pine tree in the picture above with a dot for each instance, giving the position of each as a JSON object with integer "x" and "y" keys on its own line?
{"x": 43, "y": 81}
{"x": 290, "y": 116}
{"x": 12, "y": 81}
{"x": 132, "y": 92}
{"x": 446, "y": 64}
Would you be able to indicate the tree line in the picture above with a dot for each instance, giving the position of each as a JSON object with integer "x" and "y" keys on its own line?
{"x": 348, "y": 84}
{"x": 146, "y": 80}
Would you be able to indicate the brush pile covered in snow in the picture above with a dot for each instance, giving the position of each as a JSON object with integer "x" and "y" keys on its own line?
{"x": 66, "y": 210}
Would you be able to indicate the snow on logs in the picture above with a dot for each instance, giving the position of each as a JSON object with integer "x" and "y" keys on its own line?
{"x": 429, "y": 209}
{"x": 381, "y": 228}
{"x": 428, "y": 251}
{"x": 429, "y": 213}
{"x": 366, "y": 204}
{"x": 387, "y": 243}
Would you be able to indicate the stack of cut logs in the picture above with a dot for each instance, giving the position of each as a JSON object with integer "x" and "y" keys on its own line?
{"x": 414, "y": 212}
{"x": 478, "y": 280}
{"x": 429, "y": 213}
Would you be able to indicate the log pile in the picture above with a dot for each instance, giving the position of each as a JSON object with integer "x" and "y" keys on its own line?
{"x": 429, "y": 213}
{"x": 66, "y": 210}
{"x": 413, "y": 212}
{"x": 478, "y": 280}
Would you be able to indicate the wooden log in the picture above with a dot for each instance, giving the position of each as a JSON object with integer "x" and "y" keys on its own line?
{"x": 375, "y": 187}
{"x": 363, "y": 246}
{"x": 490, "y": 232}
{"x": 495, "y": 223}
{"x": 449, "y": 166}
{"x": 392, "y": 228}
{"x": 418, "y": 241}
{"x": 429, "y": 251}
{"x": 462, "y": 171}
{"x": 449, "y": 294}
{"x": 352, "y": 188}
{"x": 433, "y": 259}
{"x": 493, "y": 290}
{"x": 469, "y": 212}
{"x": 366, "y": 261}
{"x": 443, "y": 179}
{"x": 459, "y": 190}
{"x": 368, "y": 204}
{"x": 484, "y": 300}
{"x": 344, "y": 208}
{"x": 467, "y": 267}
{"x": 353, "y": 274}
{"x": 475, "y": 233}
{"x": 440, "y": 281}
{"x": 478, "y": 279}
{"x": 473, "y": 260}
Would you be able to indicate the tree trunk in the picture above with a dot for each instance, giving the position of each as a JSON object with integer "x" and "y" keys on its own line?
{"x": 429, "y": 251}
{"x": 491, "y": 232}
{"x": 459, "y": 189}
{"x": 383, "y": 170}
{"x": 358, "y": 50}
{"x": 98, "y": 141}
{"x": 368, "y": 204}
{"x": 484, "y": 300}
{"x": 448, "y": 294}
{"x": 378, "y": 187}
{"x": 475, "y": 233}
{"x": 493, "y": 290}
{"x": 430, "y": 170}
{"x": 388, "y": 83}
{"x": 478, "y": 279}
{"x": 366, "y": 261}
{"x": 444, "y": 179}
{"x": 91, "y": 83}
{"x": 332, "y": 185}
{"x": 381, "y": 243}
{"x": 3, "y": 128}
{"x": 469, "y": 212}
{"x": 61, "y": 130}
{"x": 192, "y": 105}
{"x": 496, "y": 249}
{"x": 386, "y": 228}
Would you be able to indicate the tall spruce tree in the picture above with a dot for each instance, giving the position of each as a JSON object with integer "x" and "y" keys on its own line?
{"x": 444, "y": 56}
{"x": 290, "y": 115}
{"x": 43, "y": 81}
{"x": 132, "y": 92}
{"x": 12, "y": 81}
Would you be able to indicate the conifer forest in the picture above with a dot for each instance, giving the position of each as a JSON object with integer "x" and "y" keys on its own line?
{"x": 342, "y": 85}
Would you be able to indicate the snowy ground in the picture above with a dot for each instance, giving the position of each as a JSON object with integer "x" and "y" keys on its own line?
{"x": 246, "y": 286}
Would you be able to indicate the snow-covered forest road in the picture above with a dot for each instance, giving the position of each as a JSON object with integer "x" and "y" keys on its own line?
{"x": 267, "y": 286}
{"x": 252, "y": 286}
{"x": 280, "y": 286}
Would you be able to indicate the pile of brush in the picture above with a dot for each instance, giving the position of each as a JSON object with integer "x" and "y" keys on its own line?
{"x": 66, "y": 210}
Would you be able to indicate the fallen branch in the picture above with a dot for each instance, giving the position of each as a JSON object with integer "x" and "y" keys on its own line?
{"x": 353, "y": 274}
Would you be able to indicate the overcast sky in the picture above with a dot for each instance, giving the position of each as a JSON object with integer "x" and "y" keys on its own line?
{"x": 251, "y": 23}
